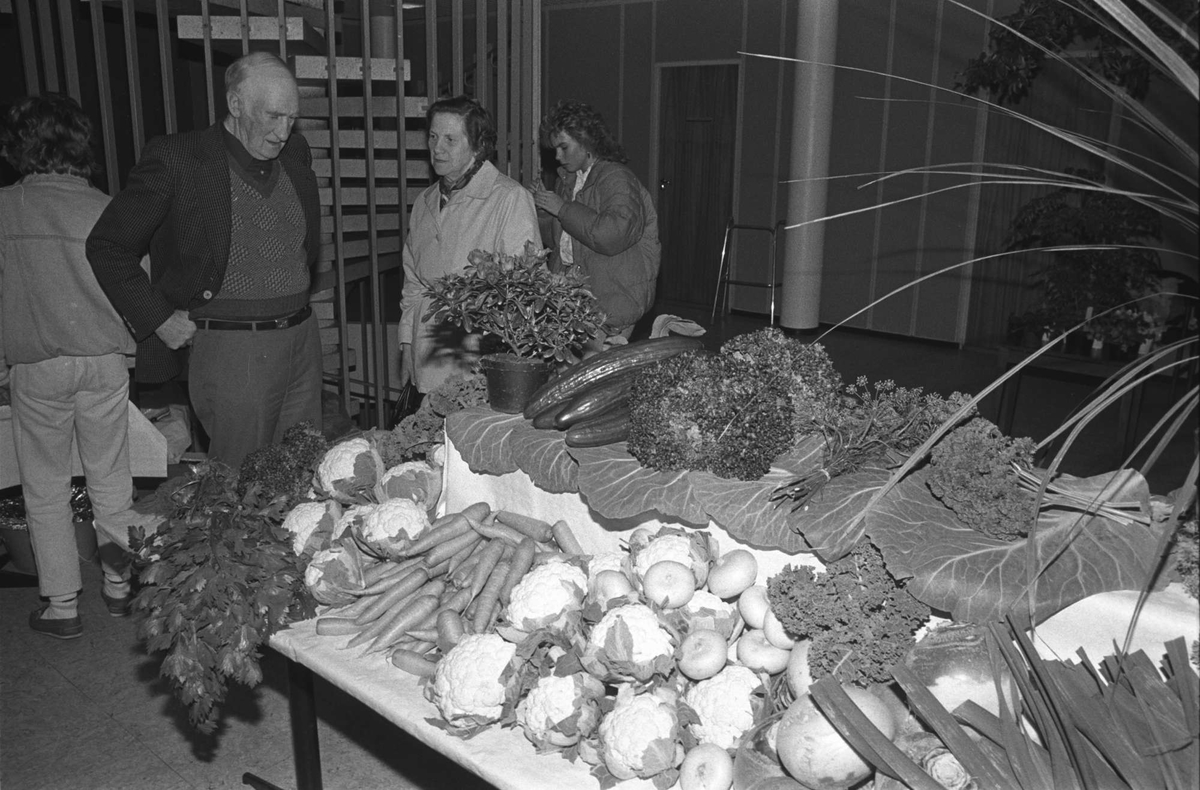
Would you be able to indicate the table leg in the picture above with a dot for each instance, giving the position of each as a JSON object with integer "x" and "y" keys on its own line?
{"x": 302, "y": 708}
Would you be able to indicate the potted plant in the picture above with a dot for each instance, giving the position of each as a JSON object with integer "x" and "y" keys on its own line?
{"x": 540, "y": 318}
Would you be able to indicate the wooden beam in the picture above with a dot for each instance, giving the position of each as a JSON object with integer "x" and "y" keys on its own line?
{"x": 357, "y": 168}
{"x": 352, "y": 107}
{"x": 315, "y": 67}
{"x": 356, "y": 138}
{"x": 259, "y": 28}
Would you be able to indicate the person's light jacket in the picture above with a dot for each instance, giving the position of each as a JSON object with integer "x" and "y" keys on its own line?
{"x": 52, "y": 304}
{"x": 614, "y": 237}
{"x": 491, "y": 213}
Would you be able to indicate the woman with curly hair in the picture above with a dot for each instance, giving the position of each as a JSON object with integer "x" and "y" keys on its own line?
{"x": 604, "y": 219}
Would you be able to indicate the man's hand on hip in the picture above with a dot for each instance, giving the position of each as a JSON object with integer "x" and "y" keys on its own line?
{"x": 177, "y": 330}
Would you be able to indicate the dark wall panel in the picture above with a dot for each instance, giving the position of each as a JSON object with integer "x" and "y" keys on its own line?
{"x": 698, "y": 30}
{"x": 638, "y": 90}
{"x": 581, "y": 56}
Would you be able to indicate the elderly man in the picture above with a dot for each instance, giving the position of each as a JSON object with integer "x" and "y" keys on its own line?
{"x": 230, "y": 217}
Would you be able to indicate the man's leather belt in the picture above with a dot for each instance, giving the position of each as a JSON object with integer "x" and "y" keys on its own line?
{"x": 257, "y": 326}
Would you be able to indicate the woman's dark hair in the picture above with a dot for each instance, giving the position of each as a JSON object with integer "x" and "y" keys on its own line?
{"x": 586, "y": 126}
{"x": 48, "y": 134}
{"x": 478, "y": 123}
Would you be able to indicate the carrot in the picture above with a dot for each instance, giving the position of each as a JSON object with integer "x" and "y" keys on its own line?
{"x": 387, "y": 582}
{"x": 497, "y": 531}
{"x": 450, "y": 629}
{"x": 422, "y": 648}
{"x": 413, "y": 663}
{"x": 461, "y": 563}
{"x": 522, "y": 561}
{"x": 337, "y": 626}
{"x": 439, "y": 569}
{"x": 386, "y": 568}
{"x": 488, "y": 598}
{"x": 455, "y": 527}
{"x": 533, "y": 527}
{"x": 444, "y": 551}
{"x": 406, "y": 586}
{"x": 477, "y": 511}
{"x": 422, "y": 634}
{"x": 458, "y": 601}
{"x": 353, "y": 609}
{"x": 460, "y": 575}
{"x": 431, "y": 589}
{"x": 407, "y": 618}
{"x": 565, "y": 538}
{"x": 487, "y": 563}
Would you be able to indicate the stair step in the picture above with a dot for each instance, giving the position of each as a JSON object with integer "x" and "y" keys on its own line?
{"x": 355, "y": 196}
{"x": 357, "y": 138}
{"x": 316, "y": 67}
{"x": 261, "y": 28}
{"x": 384, "y": 168}
{"x": 354, "y": 106}
{"x": 357, "y": 223}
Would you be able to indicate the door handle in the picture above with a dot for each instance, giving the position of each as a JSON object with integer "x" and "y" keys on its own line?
{"x": 664, "y": 183}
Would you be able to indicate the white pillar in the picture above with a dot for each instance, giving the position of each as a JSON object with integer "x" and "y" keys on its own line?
{"x": 812, "y": 111}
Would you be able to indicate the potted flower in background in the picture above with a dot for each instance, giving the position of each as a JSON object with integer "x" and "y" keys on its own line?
{"x": 539, "y": 318}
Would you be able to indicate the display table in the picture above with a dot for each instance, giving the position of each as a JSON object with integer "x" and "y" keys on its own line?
{"x": 504, "y": 757}
{"x": 147, "y": 449}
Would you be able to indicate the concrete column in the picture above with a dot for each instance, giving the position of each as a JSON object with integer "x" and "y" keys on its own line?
{"x": 812, "y": 115}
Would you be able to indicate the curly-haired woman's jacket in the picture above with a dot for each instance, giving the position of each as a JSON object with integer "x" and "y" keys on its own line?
{"x": 614, "y": 237}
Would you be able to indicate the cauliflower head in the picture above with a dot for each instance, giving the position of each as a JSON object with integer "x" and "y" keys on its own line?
{"x": 640, "y": 737}
{"x": 691, "y": 549}
{"x": 386, "y": 530}
{"x": 334, "y": 576}
{"x": 706, "y": 610}
{"x": 559, "y": 711}
{"x": 629, "y": 643}
{"x": 725, "y": 705}
{"x": 546, "y": 595}
{"x": 347, "y": 469}
{"x": 606, "y": 561}
{"x": 472, "y": 683}
{"x": 416, "y": 480}
{"x": 314, "y": 525}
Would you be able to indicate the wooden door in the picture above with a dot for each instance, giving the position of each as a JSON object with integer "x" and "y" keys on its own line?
{"x": 696, "y": 144}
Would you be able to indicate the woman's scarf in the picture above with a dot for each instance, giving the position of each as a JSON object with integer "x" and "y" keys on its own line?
{"x": 447, "y": 188}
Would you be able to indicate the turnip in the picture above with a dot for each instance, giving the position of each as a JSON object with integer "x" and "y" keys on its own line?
{"x": 814, "y": 752}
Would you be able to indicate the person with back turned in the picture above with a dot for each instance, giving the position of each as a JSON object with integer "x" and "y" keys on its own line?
{"x": 231, "y": 218}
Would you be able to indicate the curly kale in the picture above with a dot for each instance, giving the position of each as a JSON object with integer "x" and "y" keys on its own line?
{"x": 1186, "y": 551}
{"x": 421, "y": 431}
{"x": 813, "y": 384}
{"x": 710, "y": 412}
{"x": 284, "y": 469}
{"x": 860, "y": 621}
{"x": 971, "y": 472}
{"x": 879, "y": 424}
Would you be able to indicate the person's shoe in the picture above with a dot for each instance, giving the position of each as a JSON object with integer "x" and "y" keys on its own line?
{"x": 66, "y": 628}
{"x": 118, "y": 607}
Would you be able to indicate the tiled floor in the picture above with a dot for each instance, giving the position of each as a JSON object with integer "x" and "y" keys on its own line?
{"x": 92, "y": 713}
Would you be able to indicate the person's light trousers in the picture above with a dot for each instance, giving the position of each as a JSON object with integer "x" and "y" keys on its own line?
{"x": 53, "y": 402}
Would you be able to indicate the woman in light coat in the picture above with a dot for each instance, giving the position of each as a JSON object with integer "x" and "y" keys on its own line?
{"x": 472, "y": 206}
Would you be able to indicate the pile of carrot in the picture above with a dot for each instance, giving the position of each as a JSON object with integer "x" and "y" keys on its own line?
{"x": 454, "y": 579}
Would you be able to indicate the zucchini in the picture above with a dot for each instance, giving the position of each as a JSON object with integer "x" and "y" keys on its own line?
{"x": 608, "y": 428}
{"x": 596, "y": 400}
{"x": 609, "y": 362}
{"x": 546, "y": 418}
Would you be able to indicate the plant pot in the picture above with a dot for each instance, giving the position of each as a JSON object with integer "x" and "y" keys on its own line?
{"x": 512, "y": 380}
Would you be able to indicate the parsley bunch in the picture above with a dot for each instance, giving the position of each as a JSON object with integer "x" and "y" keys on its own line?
{"x": 218, "y": 579}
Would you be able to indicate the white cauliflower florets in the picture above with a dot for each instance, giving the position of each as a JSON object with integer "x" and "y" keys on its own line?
{"x": 386, "y": 530}
{"x": 607, "y": 561}
{"x": 415, "y": 480}
{"x": 468, "y": 687}
{"x": 629, "y": 643}
{"x": 689, "y": 550}
{"x": 347, "y": 468}
{"x": 546, "y": 594}
{"x": 706, "y": 610}
{"x": 309, "y": 519}
{"x": 725, "y": 705}
{"x": 640, "y": 737}
{"x": 558, "y": 711}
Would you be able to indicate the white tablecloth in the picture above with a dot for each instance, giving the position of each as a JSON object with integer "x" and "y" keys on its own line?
{"x": 501, "y": 756}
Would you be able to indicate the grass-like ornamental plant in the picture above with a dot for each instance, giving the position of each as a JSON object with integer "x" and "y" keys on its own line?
{"x": 536, "y": 313}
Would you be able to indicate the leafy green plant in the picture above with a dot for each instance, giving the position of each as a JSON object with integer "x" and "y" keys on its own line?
{"x": 219, "y": 577}
{"x": 536, "y": 313}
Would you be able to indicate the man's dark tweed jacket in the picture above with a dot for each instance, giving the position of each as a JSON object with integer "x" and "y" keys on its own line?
{"x": 176, "y": 206}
